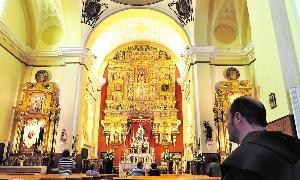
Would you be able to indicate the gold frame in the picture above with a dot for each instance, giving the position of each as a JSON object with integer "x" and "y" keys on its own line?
{"x": 225, "y": 93}
{"x": 141, "y": 67}
{"x": 37, "y": 107}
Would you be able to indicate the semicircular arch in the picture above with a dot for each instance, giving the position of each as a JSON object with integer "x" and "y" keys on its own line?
{"x": 135, "y": 25}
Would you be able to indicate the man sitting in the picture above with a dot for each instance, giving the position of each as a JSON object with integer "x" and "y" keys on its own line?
{"x": 154, "y": 171}
{"x": 138, "y": 171}
{"x": 66, "y": 164}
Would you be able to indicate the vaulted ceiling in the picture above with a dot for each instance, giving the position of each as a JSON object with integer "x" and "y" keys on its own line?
{"x": 104, "y": 25}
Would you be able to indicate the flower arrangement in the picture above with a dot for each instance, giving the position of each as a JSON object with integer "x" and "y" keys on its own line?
{"x": 166, "y": 156}
{"x": 20, "y": 160}
{"x": 145, "y": 147}
{"x": 133, "y": 146}
{"x": 110, "y": 155}
{"x": 198, "y": 158}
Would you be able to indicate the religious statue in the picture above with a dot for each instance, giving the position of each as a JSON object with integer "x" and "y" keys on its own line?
{"x": 141, "y": 75}
{"x": 165, "y": 87}
{"x": 63, "y": 135}
{"x": 140, "y": 133}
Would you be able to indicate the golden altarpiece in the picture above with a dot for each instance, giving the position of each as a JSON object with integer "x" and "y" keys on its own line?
{"x": 226, "y": 92}
{"x": 141, "y": 84}
{"x": 37, "y": 116}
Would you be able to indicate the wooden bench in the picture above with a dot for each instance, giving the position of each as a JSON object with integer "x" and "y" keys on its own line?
{"x": 25, "y": 176}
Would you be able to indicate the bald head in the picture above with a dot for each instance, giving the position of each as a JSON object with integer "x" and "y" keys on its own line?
{"x": 251, "y": 109}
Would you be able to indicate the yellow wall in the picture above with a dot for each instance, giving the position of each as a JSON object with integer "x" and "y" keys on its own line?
{"x": 72, "y": 19}
{"x": 13, "y": 18}
{"x": 11, "y": 73}
{"x": 294, "y": 22}
{"x": 267, "y": 65}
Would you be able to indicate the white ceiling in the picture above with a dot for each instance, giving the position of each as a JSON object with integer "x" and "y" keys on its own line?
{"x": 137, "y": 28}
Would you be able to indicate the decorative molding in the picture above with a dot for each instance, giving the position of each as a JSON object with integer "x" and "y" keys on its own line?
{"x": 91, "y": 11}
{"x": 183, "y": 10}
{"x": 213, "y": 56}
{"x": 30, "y": 57}
{"x": 249, "y": 51}
{"x": 137, "y": 2}
{"x": 11, "y": 42}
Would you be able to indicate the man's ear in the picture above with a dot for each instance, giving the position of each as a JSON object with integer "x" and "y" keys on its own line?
{"x": 237, "y": 118}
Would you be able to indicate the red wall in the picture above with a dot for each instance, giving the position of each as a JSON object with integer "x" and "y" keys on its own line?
{"x": 158, "y": 149}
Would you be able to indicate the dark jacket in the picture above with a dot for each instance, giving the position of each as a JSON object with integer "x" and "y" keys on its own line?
{"x": 154, "y": 172}
{"x": 213, "y": 169}
{"x": 264, "y": 155}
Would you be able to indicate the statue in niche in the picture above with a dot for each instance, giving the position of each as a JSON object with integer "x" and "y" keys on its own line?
{"x": 165, "y": 87}
{"x": 63, "y": 135}
{"x": 141, "y": 75}
{"x": 140, "y": 92}
{"x": 116, "y": 136}
{"x": 140, "y": 133}
{"x": 118, "y": 87}
{"x": 164, "y": 137}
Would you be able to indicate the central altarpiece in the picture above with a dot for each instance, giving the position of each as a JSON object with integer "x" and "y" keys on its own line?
{"x": 141, "y": 116}
{"x": 141, "y": 85}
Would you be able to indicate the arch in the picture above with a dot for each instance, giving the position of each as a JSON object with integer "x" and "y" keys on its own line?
{"x": 123, "y": 46}
{"x": 106, "y": 18}
{"x": 30, "y": 23}
{"x": 123, "y": 27}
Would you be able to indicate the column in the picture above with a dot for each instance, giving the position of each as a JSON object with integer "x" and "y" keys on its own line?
{"x": 203, "y": 91}
{"x": 69, "y": 104}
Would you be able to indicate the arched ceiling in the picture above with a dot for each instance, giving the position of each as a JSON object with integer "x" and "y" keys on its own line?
{"x": 137, "y": 24}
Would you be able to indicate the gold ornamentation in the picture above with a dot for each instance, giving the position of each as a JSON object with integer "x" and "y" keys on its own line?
{"x": 141, "y": 83}
{"x": 37, "y": 115}
{"x": 41, "y": 76}
{"x": 226, "y": 92}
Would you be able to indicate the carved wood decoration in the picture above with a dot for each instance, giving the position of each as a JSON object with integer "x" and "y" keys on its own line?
{"x": 183, "y": 10}
{"x": 37, "y": 116}
{"x": 141, "y": 85}
{"x": 91, "y": 11}
{"x": 226, "y": 92}
{"x": 137, "y": 2}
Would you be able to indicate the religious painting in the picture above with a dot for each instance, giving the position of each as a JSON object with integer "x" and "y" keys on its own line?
{"x": 141, "y": 71}
{"x": 37, "y": 102}
{"x": 32, "y": 134}
{"x": 272, "y": 100}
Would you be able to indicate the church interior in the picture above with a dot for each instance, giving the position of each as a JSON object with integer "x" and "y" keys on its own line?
{"x": 141, "y": 80}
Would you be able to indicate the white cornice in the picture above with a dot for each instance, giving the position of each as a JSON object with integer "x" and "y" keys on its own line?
{"x": 200, "y": 51}
{"x": 213, "y": 53}
{"x": 14, "y": 43}
{"x": 29, "y": 56}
